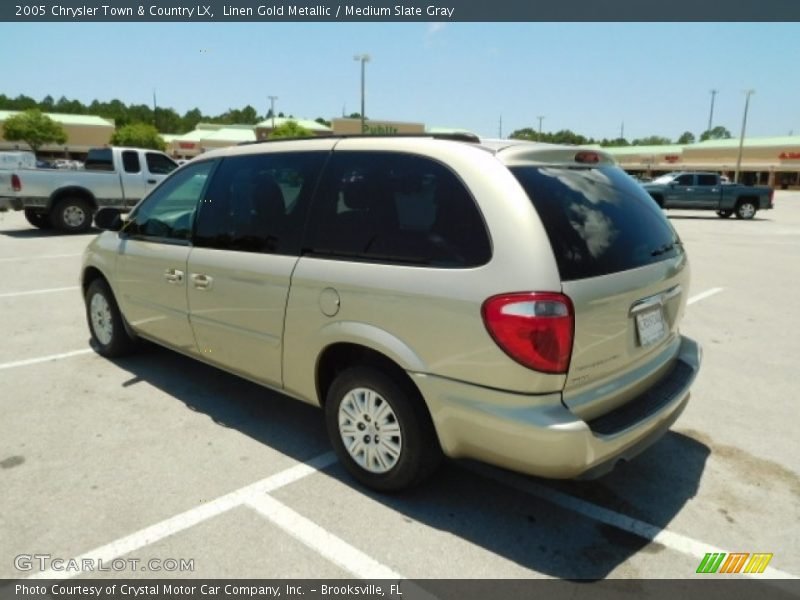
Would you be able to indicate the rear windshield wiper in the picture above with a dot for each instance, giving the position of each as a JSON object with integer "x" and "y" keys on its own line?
{"x": 664, "y": 249}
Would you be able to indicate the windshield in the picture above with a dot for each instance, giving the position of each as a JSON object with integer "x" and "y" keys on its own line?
{"x": 599, "y": 220}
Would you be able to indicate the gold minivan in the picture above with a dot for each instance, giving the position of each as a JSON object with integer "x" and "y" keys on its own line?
{"x": 505, "y": 301}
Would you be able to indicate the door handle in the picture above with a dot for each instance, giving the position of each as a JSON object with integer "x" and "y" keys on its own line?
{"x": 173, "y": 275}
{"x": 151, "y": 181}
{"x": 202, "y": 282}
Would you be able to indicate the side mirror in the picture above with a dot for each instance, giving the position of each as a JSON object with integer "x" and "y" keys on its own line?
{"x": 109, "y": 219}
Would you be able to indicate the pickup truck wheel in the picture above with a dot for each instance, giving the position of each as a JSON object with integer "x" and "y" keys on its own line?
{"x": 38, "y": 219}
{"x": 105, "y": 321}
{"x": 724, "y": 213}
{"x": 380, "y": 429}
{"x": 72, "y": 215}
{"x": 746, "y": 209}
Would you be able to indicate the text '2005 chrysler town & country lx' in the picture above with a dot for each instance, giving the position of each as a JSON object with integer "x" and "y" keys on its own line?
{"x": 509, "y": 302}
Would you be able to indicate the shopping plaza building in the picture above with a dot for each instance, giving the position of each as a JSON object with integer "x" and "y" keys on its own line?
{"x": 773, "y": 161}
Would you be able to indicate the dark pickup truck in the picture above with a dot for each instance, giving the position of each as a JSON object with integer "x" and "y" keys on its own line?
{"x": 707, "y": 191}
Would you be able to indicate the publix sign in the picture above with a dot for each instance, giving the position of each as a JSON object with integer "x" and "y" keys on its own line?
{"x": 372, "y": 127}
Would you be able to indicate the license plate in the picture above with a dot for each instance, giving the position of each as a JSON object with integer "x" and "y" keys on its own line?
{"x": 650, "y": 326}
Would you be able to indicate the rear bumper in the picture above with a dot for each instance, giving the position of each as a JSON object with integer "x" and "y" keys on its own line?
{"x": 538, "y": 435}
{"x": 8, "y": 203}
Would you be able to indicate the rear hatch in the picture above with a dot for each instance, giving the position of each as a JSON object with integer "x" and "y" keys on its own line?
{"x": 625, "y": 270}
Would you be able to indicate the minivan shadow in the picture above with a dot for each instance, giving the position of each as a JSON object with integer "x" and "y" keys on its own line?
{"x": 34, "y": 233}
{"x": 714, "y": 218}
{"x": 507, "y": 520}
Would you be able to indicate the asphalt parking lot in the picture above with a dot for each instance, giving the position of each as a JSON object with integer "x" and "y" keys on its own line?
{"x": 156, "y": 456}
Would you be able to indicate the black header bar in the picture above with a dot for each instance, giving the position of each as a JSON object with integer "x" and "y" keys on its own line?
{"x": 264, "y": 11}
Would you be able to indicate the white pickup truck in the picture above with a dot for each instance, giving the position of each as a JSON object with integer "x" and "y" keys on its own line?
{"x": 66, "y": 200}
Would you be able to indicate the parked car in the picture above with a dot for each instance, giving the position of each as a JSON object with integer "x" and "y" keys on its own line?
{"x": 709, "y": 191}
{"x": 514, "y": 303}
{"x": 66, "y": 198}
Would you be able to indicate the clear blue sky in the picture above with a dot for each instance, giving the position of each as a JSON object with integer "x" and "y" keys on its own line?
{"x": 585, "y": 77}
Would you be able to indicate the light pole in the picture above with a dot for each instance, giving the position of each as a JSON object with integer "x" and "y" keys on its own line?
{"x": 364, "y": 58}
{"x": 748, "y": 93}
{"x": 711, "y": 114}
{"x": 541, "y": 118}
{"x": 272, "y": 109}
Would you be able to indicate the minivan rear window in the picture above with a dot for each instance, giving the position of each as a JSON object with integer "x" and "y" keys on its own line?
{"x": 599, "y": 220}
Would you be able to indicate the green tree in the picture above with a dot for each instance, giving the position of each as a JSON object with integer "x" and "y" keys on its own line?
{"x": 190, "y": 119}
{"x": 290, "y": 129}
{"x": 23, "y": 102}
{"x": 322, "y": 121}
{"x": 564, "y": 136}
{"x": 653, "y": 140}
{"x": 717, "y": 133}
{"x": 34, "y": 128}
{"x": 615, "y": 143}
{"x": 138, "y": 135}
{"x": 71, "y": 107}
{"x": 687, "y": 137}
{"x": 526, "y": 133}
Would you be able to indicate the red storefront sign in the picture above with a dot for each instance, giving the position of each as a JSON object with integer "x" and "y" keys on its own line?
{"x": 186, "y": 145}
{"x": 672, "y": 158}
{"x": 789, "y": 156}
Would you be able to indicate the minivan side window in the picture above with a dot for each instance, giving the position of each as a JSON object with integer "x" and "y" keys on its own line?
{"x": 259, "y": 202}
{"x": 396, "y": 208}
{"x": 168, "y": 212}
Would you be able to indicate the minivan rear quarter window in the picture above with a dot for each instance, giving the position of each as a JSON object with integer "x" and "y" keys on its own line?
{"x": 396, "y": 208}
{"x": 599, "y": 220}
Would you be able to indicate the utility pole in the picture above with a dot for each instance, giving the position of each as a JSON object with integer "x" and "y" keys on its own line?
{"x": 155, "y": 110}
{"x": 748, "y": 93}
{"x": 541, "y": 118}
{"x": 272, "y": 109}
{"x": 500, "y": 131}
{"x": 711, "y": 114}
{"x": 622, "y": 131}
{"x": 364, "y": 58}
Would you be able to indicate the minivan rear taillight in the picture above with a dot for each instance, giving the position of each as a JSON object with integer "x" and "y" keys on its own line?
{"x": 16, "y": 184}
{"x": 536, "y": 329}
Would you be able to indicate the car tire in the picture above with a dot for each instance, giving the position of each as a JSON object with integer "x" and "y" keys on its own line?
{"x": 724, "y": 214}
{"x": 38, "y": 219}
{"x": 381, "y": 430}
{"x": 746, "y": 209}
{"x": 72, "y": 215}
{"x": 109, "y": 333}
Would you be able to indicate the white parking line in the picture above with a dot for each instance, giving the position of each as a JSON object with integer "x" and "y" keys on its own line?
{"x": 673, "y": 541}
{"x": 320, "y": 540}
{"x": 193, "y": 516}
{"x": 41, "y": 359}
{"x": 43, "y": 256}
{"x": 703, "y": 295}
{"x": 34, "y": 292}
